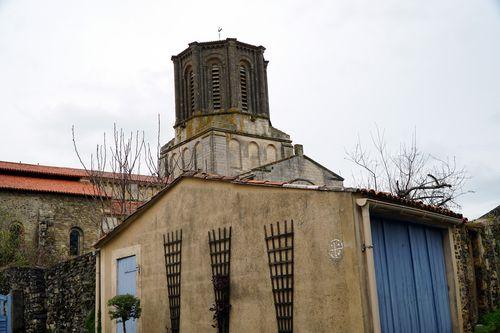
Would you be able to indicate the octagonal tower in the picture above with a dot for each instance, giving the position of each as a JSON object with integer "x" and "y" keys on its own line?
{"x": 222, "y": 122}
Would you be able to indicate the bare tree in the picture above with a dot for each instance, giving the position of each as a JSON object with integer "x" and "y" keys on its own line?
{"x": 180, "y": 161}
{"x": 408, "y": 173}
{"x": 115, "y": 173}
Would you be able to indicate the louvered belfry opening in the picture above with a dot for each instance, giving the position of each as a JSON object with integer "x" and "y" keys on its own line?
{"x": 220, "y": 258}
{"x": 216, "y": 94}
{"x": 172, "y": 245}
{"x": 244, "y": 88}
{"x": 191, "y": 92}
{"x": 279, "y": 243}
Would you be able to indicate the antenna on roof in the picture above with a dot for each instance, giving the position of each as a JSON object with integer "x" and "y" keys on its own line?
{"x": 219, "y": 29}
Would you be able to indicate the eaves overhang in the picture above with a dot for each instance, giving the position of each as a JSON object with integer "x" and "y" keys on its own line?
{"x": 408, "y": 212}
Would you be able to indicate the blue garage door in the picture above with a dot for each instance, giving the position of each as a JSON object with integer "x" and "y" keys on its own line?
{"x": 5, "y": 323}
{"x": 127, "y": 274}
{"x": 411, "y": 277}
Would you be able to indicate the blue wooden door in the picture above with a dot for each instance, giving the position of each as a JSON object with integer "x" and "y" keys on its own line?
{"x": 411, "y": 277}
{"x": 5, "y": 320}
{"x": 127, "y": 275}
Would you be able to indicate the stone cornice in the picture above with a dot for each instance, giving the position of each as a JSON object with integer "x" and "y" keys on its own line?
{"x": 166, "y": 149}
{"x": 230, "y": 111}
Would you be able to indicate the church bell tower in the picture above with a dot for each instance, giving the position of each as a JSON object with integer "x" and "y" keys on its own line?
{"x": 222, "y": 121}
{"x": 220, "y": 77}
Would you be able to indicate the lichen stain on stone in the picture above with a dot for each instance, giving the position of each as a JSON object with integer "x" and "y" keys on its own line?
{"x": 232, "y": 121}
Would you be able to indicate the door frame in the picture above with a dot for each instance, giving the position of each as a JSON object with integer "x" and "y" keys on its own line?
{"x": 366, "y": 207}
{"x": 8, "y": 312}
{"x": 117, "y": 254}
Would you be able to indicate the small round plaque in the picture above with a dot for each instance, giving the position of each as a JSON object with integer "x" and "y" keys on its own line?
{"x": 336, "y": 250}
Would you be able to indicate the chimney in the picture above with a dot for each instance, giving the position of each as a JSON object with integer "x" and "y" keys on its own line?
{"x": 299, "y": 150}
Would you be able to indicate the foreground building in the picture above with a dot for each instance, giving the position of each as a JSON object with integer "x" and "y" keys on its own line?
{"x": 284, "y": 257}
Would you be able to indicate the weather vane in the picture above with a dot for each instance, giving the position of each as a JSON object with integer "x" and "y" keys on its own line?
{"x": 219, "y": 29}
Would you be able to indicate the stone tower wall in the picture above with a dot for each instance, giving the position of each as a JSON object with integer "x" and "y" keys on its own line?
{"x": 224, "y": 153}
{"x": 209, "y": 79}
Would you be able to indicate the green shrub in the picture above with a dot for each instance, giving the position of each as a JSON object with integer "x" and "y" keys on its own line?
{"x": 490, "y": 323}
{"x": 124, "y": 307}
{"x": 90, "y": 323}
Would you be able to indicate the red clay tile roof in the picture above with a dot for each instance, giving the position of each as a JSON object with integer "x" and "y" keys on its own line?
{"x": 42, "y": 169}
{"x": 235, "y": 180}
{"x": 32, "y": 184}
{"x": 130, "y": 207}
{"x": 384, "y": 196}
{"x": 34, "y": 169}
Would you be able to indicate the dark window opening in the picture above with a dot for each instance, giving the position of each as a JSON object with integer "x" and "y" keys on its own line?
{"x": 191, "y": 91}
{"x": 244, "y": 88}
{"x": 75, "y": 239}
{"x": 216, "y": 95}
{"x": 16, "y": 233}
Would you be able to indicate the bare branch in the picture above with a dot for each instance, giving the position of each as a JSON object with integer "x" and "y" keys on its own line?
{"x": 410, "y": 173}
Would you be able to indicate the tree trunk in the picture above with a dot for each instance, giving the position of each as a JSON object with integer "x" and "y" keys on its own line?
{"x": 124, "y": 328}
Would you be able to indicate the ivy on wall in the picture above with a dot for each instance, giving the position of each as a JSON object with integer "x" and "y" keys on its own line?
{"x": 14, "y": 250}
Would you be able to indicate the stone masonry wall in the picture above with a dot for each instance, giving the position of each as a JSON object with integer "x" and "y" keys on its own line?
{"x": 298, "y": 170}
{"x": 47, "y": 220}
{"x": 70, "y": 293}
{"x": 485, "y": 240}
{"x": 477, "y": 251}
{"x": 464, "y": 272}
{"x": 57, "y": 299}
{"x": 214, "y": 151}
{"x": 31, "y": 284}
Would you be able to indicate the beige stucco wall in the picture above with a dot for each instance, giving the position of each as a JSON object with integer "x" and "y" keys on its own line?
{"x": 327, "y": 296}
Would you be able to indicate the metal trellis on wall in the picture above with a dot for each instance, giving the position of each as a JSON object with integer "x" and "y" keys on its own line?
{"x": 220, "y": 258}
{"x": 279, "y": 243}
{"x": 172, "y": 245}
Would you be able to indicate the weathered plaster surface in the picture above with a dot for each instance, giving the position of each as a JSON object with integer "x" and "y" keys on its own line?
{"x": 327, "y": 294}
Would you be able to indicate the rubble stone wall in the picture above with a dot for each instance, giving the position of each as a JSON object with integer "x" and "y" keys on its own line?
{"x": 466, "y": 284}
{"x": 47, "y": 220}
{"x": 30, "y": 285}
{"x": 477, "y": 251}
{"x": 56, "y": 299}
{"x": 70, "y": 293}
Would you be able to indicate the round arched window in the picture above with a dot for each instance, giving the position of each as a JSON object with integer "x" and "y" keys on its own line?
{"x": 75, "y": 241}
{"x": 16, "y": 233}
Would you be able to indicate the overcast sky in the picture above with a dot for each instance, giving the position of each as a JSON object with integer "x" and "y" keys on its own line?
{"x": 337, "y": 68}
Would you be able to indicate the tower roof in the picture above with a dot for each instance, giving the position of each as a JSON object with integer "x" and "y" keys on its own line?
{"x": 219, "y": 44}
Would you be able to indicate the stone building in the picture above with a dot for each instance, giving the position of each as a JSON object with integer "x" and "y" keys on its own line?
{"x": 222, "y": 118}
{"x": 296, "y": 169}
{"x": 57, "y": 211}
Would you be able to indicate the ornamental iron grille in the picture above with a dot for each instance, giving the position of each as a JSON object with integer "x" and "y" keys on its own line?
{"x": 279, "y": 243}
{"x": 172, "y": 245}
{"x": 220, "y": 256}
